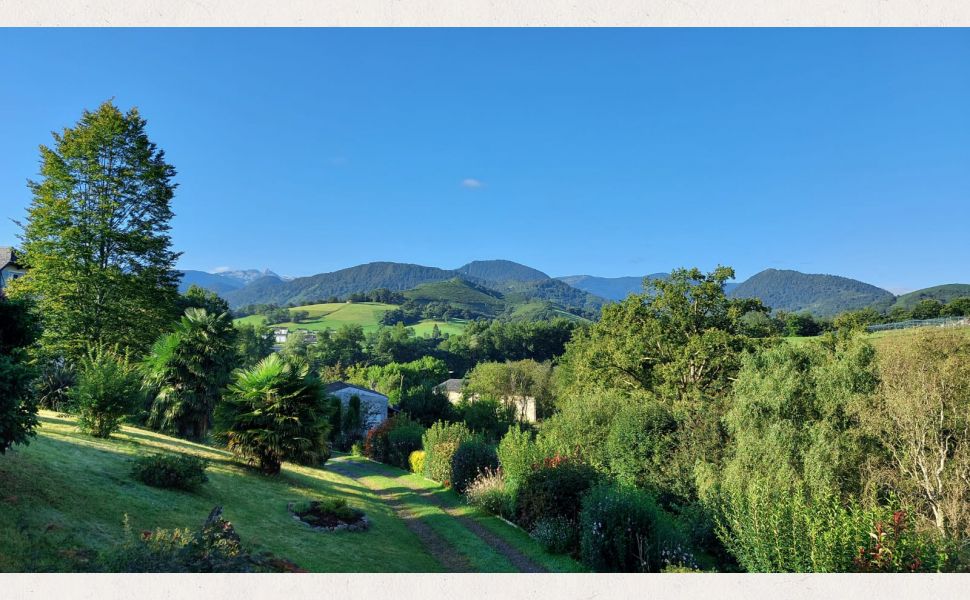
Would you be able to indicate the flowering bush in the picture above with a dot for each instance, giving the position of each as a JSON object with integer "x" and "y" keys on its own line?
{"x": 556, "y": 535}
{"x": 623, "y": 530}
{"x": 490, "y": 493}
{"x": 416, "y": 461}
{"x": 472, "y": 458}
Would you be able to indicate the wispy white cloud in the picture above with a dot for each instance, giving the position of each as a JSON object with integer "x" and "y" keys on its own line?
{"x": 221, "y": 269}
{"x": 471, "y": 183}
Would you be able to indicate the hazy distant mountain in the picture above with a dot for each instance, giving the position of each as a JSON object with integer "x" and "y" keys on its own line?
{"x": 210, "y": 281}
{"x": 612, "y": 288}
{"x": 821, "y": 295}
{"x": 501, "y": 271}
{"x": 248, "y": 275}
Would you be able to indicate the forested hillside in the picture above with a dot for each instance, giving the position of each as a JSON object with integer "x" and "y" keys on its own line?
{"x": 822, "y": 295}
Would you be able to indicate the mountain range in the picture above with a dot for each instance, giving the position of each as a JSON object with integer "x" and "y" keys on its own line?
{"x": 512, "y": 284}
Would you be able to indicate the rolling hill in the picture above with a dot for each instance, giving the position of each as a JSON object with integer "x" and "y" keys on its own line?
{"x": 362, "y": 278}
{"x": 366, "y": 314}
{"x": 943, "y": 293}
{"x": 822, "y": 295}
{"x": 459, "y": 293}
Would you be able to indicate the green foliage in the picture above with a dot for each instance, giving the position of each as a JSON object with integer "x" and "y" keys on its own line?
{"x": 555, "y": 489}
{"x": 326, "y": 510}
{"x": 511, "y": 382}
{"x": 178, "y": 471}
{"x": 273, "y": 412}
{"x": 215, "y": 548}
{"x": 440, "y": 442}
{"x": 556, "y": 535}
{"x": 96, "y": 241}
{"x": 487, "y": 417}
{"x": 771, "y": 529}
{"x": 186, "y": 371}
{"x": 927, "y": 309}
{"x": 793, "y": 416}
{"x": 473, "y": 458}
{"x": 958, "y": 307}
{"x": 944, "y": 293}
{"x": 253, "y": 344}
{"x": 517, "y": 454}
{"x": 624, "y": 530}
{"x": 639, "y": 443}
{"x": 108, "y": 388}
{"x": 489, "y": 492}
{"x": 18, "y": 412}
{"x": 416, "y": 461}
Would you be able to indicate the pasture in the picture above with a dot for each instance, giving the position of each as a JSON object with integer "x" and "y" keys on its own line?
{"x": 366, "y": 314}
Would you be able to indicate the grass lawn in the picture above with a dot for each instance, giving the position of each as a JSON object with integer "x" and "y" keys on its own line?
{"x": 889, "y": 337}
{"x": 366, "y": 314}
{"x": 64, "y": 496}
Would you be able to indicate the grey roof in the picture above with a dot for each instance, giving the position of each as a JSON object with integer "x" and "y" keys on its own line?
{"x": 8, "y": 256}
{"x": 340, "y": 385}
{"x": 451, "y": 385}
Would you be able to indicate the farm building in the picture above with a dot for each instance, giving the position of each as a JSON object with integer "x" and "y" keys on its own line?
{"x": 453, "y": 389}
{"x": 373, "y": 405}
{"x": 10, "y": 269}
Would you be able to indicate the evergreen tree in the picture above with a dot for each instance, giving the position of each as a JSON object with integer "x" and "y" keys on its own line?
{"x": 18, "y": 413}
{"x": 96, "y": 240}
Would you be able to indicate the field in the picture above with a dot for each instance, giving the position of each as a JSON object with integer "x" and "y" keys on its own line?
{"x": 64, "y": 497}
{"x": 884, "y": 339}
{"x": 366, "y": 314}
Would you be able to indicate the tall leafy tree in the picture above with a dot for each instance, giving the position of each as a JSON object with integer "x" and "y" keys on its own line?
{"x": 18, "y": 413}
{"x": 96, "y": 241}
{"x": 186, "y": 371}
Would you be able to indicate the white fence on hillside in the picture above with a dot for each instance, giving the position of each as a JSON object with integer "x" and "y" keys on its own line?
{"x": 938, "y": 322}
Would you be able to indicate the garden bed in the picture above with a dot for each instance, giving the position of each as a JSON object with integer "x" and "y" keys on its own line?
{"x": 328, "y": 515}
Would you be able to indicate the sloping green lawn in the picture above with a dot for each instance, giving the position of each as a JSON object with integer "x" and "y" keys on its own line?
{"x": 64, "y": 496}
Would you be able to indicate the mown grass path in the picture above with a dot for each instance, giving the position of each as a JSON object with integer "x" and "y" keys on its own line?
{"x": 413, "y": 490}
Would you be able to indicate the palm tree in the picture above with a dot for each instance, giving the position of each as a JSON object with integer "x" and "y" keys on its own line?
{"x": 275, "y": 411}
{"x": 186, "y": 371}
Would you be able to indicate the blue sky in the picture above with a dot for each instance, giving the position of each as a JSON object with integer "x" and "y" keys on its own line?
{"x": 606, "y": 152}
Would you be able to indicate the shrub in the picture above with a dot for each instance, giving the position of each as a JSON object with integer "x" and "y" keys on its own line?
{"x": 472, "y": 458}
{"x": 356, "y": 449}
{"x": 393, "y": 440}
{"x": 557, "y": 535}
{"x": 781, "y": 530}
{"x": 440, "y": 442}
{"x": 18, "y": 411}
{"x": 53, "y": 385}
{"x": 376, "y": 443}
{"x": 624, "y": 530}
{"x": 215, "y": 548}
{"x": 517, "y": 452}
{"x": 555, "y": 489}
{"x": 416, "y": 461}
{"x": 489, "y": 492}
{"x": 180, "y": 471}
{"x": 107, "y": 389}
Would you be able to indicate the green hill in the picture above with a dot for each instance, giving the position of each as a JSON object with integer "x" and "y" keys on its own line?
{"x": 821, "y": 295}
{"x": 943, "y": 293}
{"x": 342, "y": 283}
{"x": 366, "y": 314}
{"x": 459, "y": 293}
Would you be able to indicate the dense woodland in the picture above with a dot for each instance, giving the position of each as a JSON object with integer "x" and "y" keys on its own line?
{"x": 679, "y": 431}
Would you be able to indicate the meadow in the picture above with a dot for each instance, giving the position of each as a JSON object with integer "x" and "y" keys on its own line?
{"x": 366, "y": 314}
{"x": 66, "y": 494}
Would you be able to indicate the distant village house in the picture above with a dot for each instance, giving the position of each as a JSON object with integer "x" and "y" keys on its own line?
{"x": 373, "y": 405}
{"x": 453, "y": 389}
